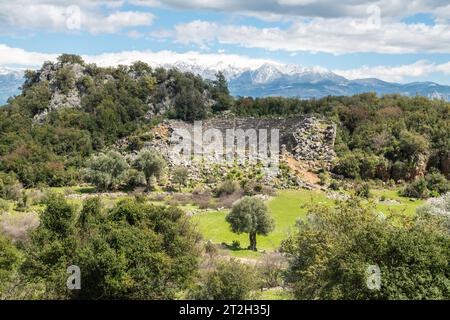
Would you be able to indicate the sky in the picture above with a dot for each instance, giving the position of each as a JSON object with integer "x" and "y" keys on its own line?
{"x": 393, "y": 40}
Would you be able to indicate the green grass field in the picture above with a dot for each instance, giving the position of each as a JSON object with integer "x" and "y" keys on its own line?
{"x": 286, "y": 208}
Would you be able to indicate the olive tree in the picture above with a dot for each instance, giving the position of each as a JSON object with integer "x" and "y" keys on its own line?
{"x": 151, "y": 163}
{"x": 250, "y": 215}
{"x": 106, "y": 170}
{"x": 180, "y": 175}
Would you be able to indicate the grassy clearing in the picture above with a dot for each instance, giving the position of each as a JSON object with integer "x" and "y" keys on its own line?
{"x": 405, "y": 205}
{"x": 286, "y": 208}
{"x": 274, "y": 294}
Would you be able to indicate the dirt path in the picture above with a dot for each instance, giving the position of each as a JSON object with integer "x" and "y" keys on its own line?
{"x": 305, "y": 175}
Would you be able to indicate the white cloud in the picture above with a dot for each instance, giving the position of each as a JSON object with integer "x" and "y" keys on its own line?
{"x": 416, "y": 70}
{"x": 220, "y": 61}
{"x": 67, "y": 16}
{"x": 212, "y": 60}
{"x": 117, "y": 21}
{"x": 335, "y": 36}
{"x": 281, "y": 9}
{"x": 16, "y": 56}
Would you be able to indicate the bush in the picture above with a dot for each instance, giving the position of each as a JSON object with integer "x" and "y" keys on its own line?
{"x": 324, "y": 178}
{"x": 272, "y": 270}
{"x": 133, "y": 179}
{"x": 226, "y": 188}
{"x": 106, "y": 171}
{"x": 333, "y": 253}
{"x": 252, "y": 187}
{"x": 10, "y": 187}
{"x": 65, "y": 79}
{"x": 363, "y": 190}
{"x": 230, "y": 281}
{"x": 235, "y": 245}
{"x": 416, "y": 189}
{"x": 334, "y": 185}
{"x": 348, "y": 166}
{"x": 9, "y": 261}
{"x": 437, "y": 183}
{"x": 135, "y": 251}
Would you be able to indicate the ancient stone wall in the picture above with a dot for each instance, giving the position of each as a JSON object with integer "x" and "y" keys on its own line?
{"x": 306, "y": 139}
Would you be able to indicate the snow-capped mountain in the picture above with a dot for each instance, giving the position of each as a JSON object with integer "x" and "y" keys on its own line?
{"x": 307, "y": 83}
{"x": 207, "y": 72}
{"x": 10, "y": 82}
{"x": 270, "y": 79}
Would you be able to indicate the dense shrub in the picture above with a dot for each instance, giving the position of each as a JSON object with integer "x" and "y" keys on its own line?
{"x": 416, "y": 189}
{"x": 134, "y": 251}
{"x": 229, "y": 281}
{"x": 333, "y": 253}
{"x": 226, "y": 188}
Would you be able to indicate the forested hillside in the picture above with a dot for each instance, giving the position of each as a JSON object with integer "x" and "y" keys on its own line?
{"x": 82, "y": 187}
{"x": 69, "y": 110}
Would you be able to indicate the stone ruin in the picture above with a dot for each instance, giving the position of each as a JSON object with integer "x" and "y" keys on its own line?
{"x": 308, "y": 140}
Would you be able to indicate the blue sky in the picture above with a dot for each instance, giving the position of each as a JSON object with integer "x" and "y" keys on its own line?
{"x": 393, "y": 40}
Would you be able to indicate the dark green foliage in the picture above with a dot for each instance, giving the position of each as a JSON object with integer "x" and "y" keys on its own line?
{"x": 9, "y": 261}
{"x": 363, "y": 190}
{"x": 107, "y": 171}
{"x": 229, "y": 281}
{"x": 70, "y": 58}
{"x": 416, "y": 189}
{"x": 437, "y": 183}
{"x": 189, "y": 105}
{"x": 180, "y": 176}
{"x": 134, "y": 251}
{"x": 226, "y": 188}
{"x": 114, "y": 103}
{"x": 331, "y": 253}
{"x": 90, "y": 215}
{"x": 58, "y": 217}
{"x": 250, "y": 215}
{"x": 221, "y": 94}
{"x": 151, "y": 164}
{"x": 378, "y": 138}
{"x": 433, "y": 184}
{"x": 65, "y": 79}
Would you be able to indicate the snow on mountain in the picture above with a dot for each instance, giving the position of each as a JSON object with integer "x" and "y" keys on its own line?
{"x": 10, "y": 72}
{"x": 261, "y": 78}
{"x": 10, "y": 82}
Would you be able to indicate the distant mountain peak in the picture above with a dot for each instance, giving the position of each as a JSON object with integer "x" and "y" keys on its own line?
{"x": 267, "y": 78}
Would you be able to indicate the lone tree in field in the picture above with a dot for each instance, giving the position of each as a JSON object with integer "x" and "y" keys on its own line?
{"x": 151, "y": 163}
{"x": 250, "y": 215}
{"x": 180, "y": 176}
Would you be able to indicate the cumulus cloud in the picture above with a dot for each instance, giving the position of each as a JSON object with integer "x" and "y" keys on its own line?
{"x": 336, "y": 36}
{"x": 417, "y": 70}
{"x": 20, "y": 57}
{"x": 66, "y": 16}
{"x": 311, "y": 8}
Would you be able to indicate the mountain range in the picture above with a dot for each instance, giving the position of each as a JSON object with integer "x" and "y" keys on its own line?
{"x": 273, "y": 79}
{"x": 10, "y": 82}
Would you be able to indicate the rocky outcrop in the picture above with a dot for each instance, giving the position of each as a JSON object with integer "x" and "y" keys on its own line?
{"x": 309, "y": 140}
